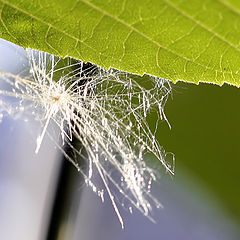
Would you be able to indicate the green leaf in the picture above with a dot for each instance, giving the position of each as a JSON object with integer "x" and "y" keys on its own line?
{"x": 174, "y": 39}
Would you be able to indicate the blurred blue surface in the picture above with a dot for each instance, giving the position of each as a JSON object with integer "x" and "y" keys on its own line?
{"x": 27, "y": 180}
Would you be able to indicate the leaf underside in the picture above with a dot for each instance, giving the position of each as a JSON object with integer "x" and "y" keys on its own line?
{"x": 180, "y": 40}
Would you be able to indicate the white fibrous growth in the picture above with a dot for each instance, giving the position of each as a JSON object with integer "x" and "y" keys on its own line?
{"x": 106, "y": 111}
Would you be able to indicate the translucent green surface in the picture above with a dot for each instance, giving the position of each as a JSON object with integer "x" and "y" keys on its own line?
{"x": 192, "y": 41}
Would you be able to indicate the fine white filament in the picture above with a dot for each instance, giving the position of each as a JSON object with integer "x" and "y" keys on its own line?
{"x": 107, "y": 111}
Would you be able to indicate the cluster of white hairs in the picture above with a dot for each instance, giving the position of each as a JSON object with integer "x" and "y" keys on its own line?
{"x": 106, "y": 111}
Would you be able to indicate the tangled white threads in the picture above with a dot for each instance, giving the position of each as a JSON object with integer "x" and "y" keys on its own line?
{"x": 106, "y": 110}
